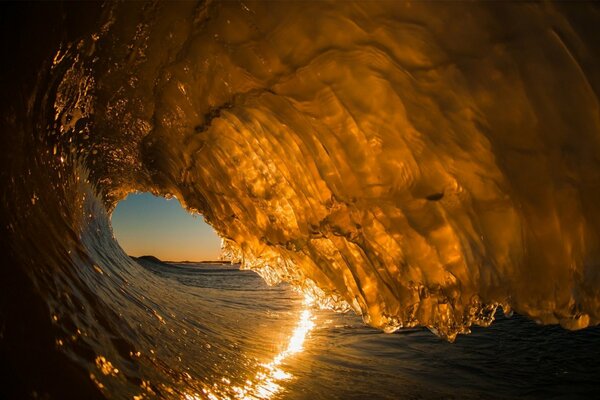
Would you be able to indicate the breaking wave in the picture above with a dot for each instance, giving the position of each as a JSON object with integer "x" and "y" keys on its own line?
{"x": 420, "y": 164}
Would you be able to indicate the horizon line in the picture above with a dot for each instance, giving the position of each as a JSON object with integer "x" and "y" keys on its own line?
{"x": 185, "y": 261}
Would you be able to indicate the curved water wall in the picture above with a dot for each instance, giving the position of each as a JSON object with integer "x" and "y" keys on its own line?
{"x": 418, "y": 163}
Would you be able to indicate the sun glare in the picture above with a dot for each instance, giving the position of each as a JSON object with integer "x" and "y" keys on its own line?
{"x": 264, "y": 384}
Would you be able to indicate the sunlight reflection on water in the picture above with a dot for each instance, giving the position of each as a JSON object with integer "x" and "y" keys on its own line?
{"x": 265, "y": 385}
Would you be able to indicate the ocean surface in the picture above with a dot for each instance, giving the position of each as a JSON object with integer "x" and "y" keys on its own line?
{"x": 242, "y": 325}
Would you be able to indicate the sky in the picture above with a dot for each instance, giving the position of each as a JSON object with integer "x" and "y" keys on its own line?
{"x": 147, "y": 225}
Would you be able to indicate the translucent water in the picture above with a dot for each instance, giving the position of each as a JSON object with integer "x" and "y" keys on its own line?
{"x": 420, "y": 164}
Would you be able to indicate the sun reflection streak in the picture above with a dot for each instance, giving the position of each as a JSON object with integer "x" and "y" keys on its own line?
{"x": 264, "y": 384}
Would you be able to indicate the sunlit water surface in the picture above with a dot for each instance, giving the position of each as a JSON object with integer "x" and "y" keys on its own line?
{"x": 270, "y": 342}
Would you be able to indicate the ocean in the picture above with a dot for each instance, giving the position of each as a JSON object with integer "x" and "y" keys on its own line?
{"x": 425, "y": 165}
{"x": 336, "y": 356}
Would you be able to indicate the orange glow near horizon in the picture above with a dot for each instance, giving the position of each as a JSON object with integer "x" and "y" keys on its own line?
{"x": 147, "y": 225}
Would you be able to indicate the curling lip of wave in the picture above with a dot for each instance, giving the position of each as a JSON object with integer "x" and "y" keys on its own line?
{"x": 380, "y": 156}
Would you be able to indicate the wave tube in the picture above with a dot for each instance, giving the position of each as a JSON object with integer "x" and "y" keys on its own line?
{"x": 420, "y": 164}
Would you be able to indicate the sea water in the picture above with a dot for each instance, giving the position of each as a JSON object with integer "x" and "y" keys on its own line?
{"x": 422, "y": 164}
{"x": 342, "y": 358}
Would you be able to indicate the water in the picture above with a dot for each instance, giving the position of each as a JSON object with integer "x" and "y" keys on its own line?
{"x": 514, "y": 358}
{"x": 339, "y": 357}
{"x": 378, "y": 157}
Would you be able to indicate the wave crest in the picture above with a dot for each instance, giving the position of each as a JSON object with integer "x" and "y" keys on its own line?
{"x": 416, "y": 170}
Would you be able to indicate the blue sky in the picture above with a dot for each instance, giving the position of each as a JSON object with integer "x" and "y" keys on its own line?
{"x": 148, "y": 225}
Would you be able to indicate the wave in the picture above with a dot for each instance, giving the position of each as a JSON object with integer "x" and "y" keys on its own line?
{"x": 420, "y": 164}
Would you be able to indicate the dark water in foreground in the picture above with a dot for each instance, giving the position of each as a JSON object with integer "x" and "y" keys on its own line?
{"x": 342, "y": 358}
